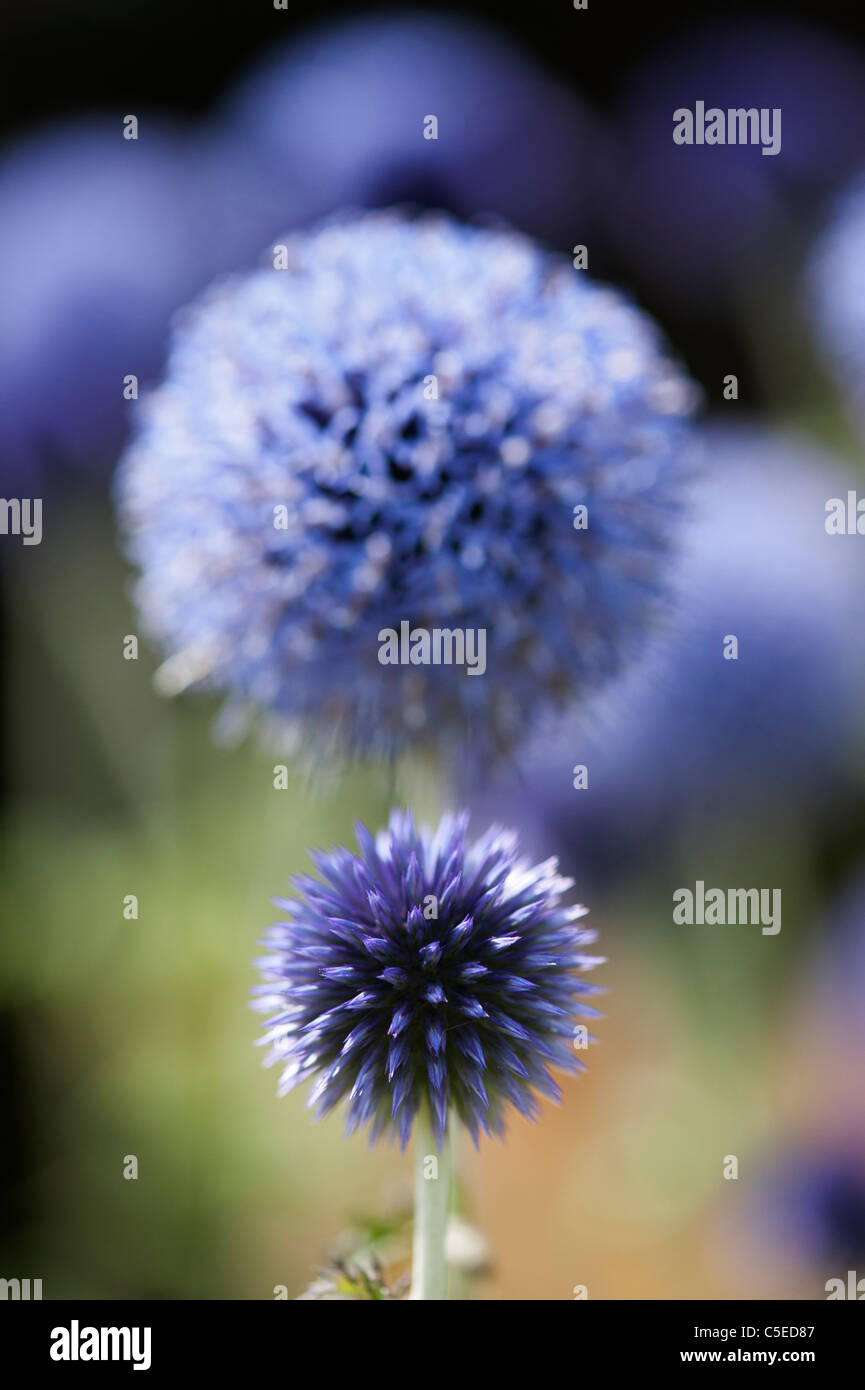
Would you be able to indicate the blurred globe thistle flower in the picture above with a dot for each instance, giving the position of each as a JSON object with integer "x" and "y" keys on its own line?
{"x": 338, "y": 115}
{"x": 687, "y": 740}
{"x": 836, "y": 288}
{"x": 807, "y": 1207}
{"x": 802, "y": 1221}
{"x": 696, "y": 222}
{"x": 426, "y": 973}
{"x": 403, "y": 427}
{"x": 95, "y": 252}
{"x": 818, "y": 1204}
{"x": 101, "y": 240}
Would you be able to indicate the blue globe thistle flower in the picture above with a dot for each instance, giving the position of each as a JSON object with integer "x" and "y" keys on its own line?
{"x": 837, "y": 292}
{"x": 399, "y": 428}
{"x": 426, "y": 970}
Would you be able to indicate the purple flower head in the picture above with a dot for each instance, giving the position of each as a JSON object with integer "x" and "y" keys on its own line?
{"x": 400, "y": 427}
{"x": 426, "y": 970}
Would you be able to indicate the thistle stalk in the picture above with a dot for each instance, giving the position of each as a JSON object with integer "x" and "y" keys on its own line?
{"x": 432, "y": 1191}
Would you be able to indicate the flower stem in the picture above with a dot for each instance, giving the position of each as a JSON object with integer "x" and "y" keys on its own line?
{"x": 432, "y": 1189}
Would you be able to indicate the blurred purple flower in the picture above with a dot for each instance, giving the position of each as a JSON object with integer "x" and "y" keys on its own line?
{"x": 811, "y": 1204}
{"x": 340, "y": 113}
{"x": 837, "y": 291}
{"x": 691, "y": 220}
{"x": 688, "y": 737}
{"x": 294, "y": 490}
{"x": 95, "y": 251}
{"x": 101, "y": 239}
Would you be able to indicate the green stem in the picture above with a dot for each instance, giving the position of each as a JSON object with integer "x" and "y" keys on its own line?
{"x": 431, "y": 1209}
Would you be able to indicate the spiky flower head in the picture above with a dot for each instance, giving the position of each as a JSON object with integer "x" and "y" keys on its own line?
{"x": 426, "y": 970}
{"x": 398, "y": 427}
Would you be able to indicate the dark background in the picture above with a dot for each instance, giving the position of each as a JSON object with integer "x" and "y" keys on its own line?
{"x": 63, "y": 54}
